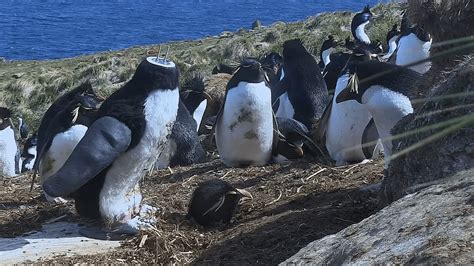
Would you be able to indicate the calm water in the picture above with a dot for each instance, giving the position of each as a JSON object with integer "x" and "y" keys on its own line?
{"x": 50, "y": 29}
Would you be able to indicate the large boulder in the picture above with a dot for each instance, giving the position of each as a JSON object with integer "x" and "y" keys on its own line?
{"x": 446, "y": 148}
{"x": 432, "y": 226}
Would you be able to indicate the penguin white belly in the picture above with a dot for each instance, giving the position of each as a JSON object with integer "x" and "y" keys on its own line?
{"x": 412, "y": 49}
{"x": 199, "y": 112}
{"x": 8, "y": 150}
{"x": 387, "y": 108}
{"x": 346, "y": 126}
{"x": 31, "y": 151}
{"x": 62, "y": 146}
{"x": 392, "y": 46}
{"x": 119, "y": 197}
{"x": 285, "y": 108}
{"x": 164, "y": 158}
{"x": 244, "y": 134}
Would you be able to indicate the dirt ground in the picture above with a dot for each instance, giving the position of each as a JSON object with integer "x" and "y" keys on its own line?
{"x": 293, "y": 205}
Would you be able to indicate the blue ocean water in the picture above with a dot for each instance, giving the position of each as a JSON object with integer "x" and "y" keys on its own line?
{"x": 51, "y": 29}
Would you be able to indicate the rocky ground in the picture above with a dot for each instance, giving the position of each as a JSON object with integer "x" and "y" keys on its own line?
{"x": 292, "y": 206}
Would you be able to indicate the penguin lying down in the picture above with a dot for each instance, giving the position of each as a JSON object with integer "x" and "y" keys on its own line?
{"x": 215, "y": 201}
{"x": 246, "y": 129}
{"x": 103, "y": 172}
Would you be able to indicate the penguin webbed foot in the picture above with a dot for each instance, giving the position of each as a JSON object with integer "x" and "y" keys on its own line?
{"x": 121, "y": 231}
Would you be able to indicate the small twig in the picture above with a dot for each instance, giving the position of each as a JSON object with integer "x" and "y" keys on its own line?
{"x": 313, "y": 175}
{"x": 274, "y": 201}
{"x": 142, "y": 242}
{"x": 226, "y": 174}
{"x": 55, "y": 219}
{"x": 354, "y": 166}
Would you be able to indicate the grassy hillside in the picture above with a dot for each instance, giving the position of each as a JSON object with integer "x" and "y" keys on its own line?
{"x": 29, "y": 87}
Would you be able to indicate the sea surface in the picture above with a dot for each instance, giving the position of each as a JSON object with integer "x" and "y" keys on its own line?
{"x": 51, "y": 29}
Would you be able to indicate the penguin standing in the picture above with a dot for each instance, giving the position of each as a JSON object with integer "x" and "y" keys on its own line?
{"x": 195, "y": 98}
{"x": 130, "y": 131}
{"x": 244, "y": 126}
{"x": 29, "y": 153}
{"x": 326, "y": 49}
{"x": 183, "y": 146}
{"x": 246, "y": 130}
{"x": 306, "y": 95}
{"x": 414, "y": 45}
{"x": 23, "y": 128}
{"x": 392, "y": 38}
{"x": 358, "y": 24}
{"x": 62, "y": 127}
{"x": 8, "y": 145}
{"x": 387, "y": 98}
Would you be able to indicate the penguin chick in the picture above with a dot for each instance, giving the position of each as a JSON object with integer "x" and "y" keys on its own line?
{"x": 215, "y": 201}
{"x": 387, "y": 98}
{"x": 183, "y": 146}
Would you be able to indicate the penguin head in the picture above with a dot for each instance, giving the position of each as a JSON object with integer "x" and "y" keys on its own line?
{"x": 348, "y": 44}
{"x": 5, "y": 118}
{"x": 294, "y": 50}
{"x": 215, "y": 201}
{"x": 154, "y": 73}
{"x": 352, "y": 91}
{"x": 421, "y": 33}
{"x": 249, "y": 70}
{"x": 272, "y": 64}
{"x": 329, "y": 43}
{"x": 362, "y": 17}
{"x": 193, "y": 93}
{"x": 394, "y": 32}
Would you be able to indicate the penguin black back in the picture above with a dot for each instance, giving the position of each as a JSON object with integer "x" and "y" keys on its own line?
{"x": 306, "y": 86}
{"x": 399, "y": 79}
{"x": 214, "y": 201}
{"x": 127, "y": 103}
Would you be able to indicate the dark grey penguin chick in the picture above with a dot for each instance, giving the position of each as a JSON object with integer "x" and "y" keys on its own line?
{"x": 215, "y": 201}
{"x": 184, "y": 147}
{"x": 306, "y": 95}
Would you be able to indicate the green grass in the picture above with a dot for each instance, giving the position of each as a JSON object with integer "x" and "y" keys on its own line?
{"x": 29, "y": 87}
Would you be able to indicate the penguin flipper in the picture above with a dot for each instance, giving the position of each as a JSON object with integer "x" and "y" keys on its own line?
{"x": 369, "y": 139}
{"x": 320, "y": 131}
{"x": 105, "y": 140}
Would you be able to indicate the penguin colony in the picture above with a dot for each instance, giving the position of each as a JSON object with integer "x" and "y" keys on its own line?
{"x": 282, "y": 107}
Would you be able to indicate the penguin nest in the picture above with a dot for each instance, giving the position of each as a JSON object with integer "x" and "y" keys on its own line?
{"x": 293, "y": 205}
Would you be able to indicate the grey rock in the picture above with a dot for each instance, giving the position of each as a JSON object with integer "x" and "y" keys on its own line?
{"x": 445, "y": 155}
{"x": 432, "y": 226}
